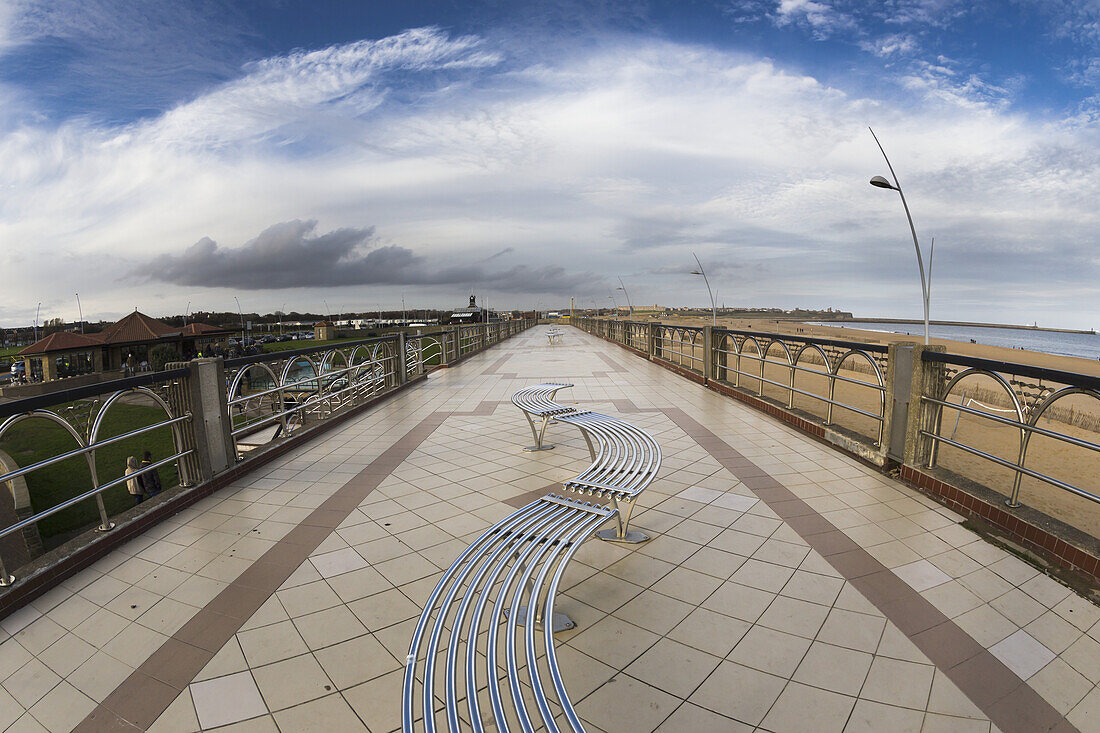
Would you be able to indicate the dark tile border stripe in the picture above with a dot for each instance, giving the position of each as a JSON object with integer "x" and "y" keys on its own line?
{"x": 144, "y": 696}
{"x": 1004, "y": 698}
{"x": 492, "y": 368}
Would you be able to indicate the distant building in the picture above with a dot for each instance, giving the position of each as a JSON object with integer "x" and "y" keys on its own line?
{"x": 472, "y": 314}
{"x": 324, "y": 331}
{"x": 126, "y": 343}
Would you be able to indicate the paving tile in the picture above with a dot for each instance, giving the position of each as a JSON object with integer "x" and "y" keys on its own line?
{"x": 328, "y": 627}
{"x": 770, "y": 651}
{"x": 899, "y": 683}
{"x": 227, "y": 700}
{"x": 179, "y": 717}
{"x": 794, "y": 616}
{"x": 331, "y": 713}
{"x": 355, "y": 661}
{"x": 756, "y": 692}
{"x": 614, "y": 641}
{"x": 613, "y": 706}
{"x": 673, "y": 667}
{"x": 62, "y": 708}
{"x": 873, "y": 717}
{"x": 802, "y": 708}
{"x": 852, "y": 630}
{"x": 373, "y": 701}
{"x": 693, "y": 718}
{"x": 710, "y": 631}
{"x": 291, "y": 682}
{"x": 834, "y": 668}
{"x": 1022, "y": 653}
{"x": 30, "y": 683}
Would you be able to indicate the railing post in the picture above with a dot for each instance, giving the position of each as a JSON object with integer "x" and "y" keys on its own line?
{"x": 444, "y": 348}
{"x": 211, "y": 428}
{"x": 708, "y": 353}
{"x": 926, "y": 379}
{"x": 719, "y": 355}
{"x": 401, "y": 372}
{"x": 652, "y": 343}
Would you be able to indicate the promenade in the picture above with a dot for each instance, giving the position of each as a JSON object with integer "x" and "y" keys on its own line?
{"x": 786, "y": 587}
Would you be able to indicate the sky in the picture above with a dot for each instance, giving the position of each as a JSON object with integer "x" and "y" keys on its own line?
{"x": 160, "y": 153}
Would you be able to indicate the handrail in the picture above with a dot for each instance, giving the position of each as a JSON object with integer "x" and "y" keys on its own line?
{"x": 89, "y": 494}
{"x": 280, "y": 355}
{"x": 1016, "y": 368}
{"x": 859, "y": 345}
{"x": 90, "y": 448}
{"x": 39, "y": 402}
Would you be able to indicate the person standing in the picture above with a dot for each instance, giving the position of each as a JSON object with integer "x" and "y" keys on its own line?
{"x": 133, "y": 485}
{"x": 150, "y": 480}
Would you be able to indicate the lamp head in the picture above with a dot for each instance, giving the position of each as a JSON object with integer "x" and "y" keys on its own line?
{"x": 696, "y": 272}
{"x": 880, "y": 182}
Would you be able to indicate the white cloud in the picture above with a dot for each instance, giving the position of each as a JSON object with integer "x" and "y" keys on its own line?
{"x": 620, "y": 161}
{"x": 823, "y": 19}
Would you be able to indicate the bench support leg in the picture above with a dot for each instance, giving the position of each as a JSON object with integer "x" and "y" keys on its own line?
{"x": 621, "y": 531}
{"x": 560, "y": 621}
{"x": 538, "y": 434}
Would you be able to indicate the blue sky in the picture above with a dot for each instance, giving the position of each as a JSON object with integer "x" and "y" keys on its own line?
{"x": 155, "y": 153}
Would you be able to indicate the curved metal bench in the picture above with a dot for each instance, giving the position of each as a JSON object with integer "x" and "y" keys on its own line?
{"x": 538, "y": 400}
{"x": 625, "y": 460}
{"x": 515, "y": 568}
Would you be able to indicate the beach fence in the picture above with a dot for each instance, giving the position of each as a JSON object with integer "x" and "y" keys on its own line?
{"x": 64, "y": 489}
{"x": 1015, "y": 445}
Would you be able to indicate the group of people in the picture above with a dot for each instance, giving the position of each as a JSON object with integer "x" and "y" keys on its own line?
{"x": 143, "y": 485}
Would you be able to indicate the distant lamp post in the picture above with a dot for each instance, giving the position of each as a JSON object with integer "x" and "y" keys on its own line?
{"x": 925, "y": 284}
{"x": 80, "y": 311}
{"x": 37, "y": 311}
{"x": 623, "y": 288}
{"x": 713, "y": 302}
{"x": 241, "y": 314}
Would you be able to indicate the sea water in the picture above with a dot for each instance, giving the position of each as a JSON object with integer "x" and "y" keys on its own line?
{"x": 1085, "y": 345}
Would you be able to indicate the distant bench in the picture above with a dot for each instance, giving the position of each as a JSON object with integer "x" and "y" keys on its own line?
{"x": 509, "y": 578}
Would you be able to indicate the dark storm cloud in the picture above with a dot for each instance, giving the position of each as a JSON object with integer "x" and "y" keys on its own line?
{"x": 291, "y": 255}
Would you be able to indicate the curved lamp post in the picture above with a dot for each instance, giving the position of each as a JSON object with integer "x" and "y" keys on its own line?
{"x": 628, "y": 304}
{"x": 241, "y": 314}
{"x": 880, "y": 182}
{"x": 713, "y": 303}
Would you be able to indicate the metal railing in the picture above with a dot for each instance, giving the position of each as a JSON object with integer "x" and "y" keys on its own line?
{"x": 88, "y": 440}
{"x": 743, "y": 359}
{"x": 1021, "y": 431}
{"x": 679, "y": 345}
{"x": 232, "y": 399}
{"x": 791, "y": 354}
{"x": 1020, "y": 406}
{"x": 334, "y": 378}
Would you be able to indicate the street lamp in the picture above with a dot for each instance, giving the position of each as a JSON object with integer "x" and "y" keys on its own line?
{"x": 623, "y": 288}
{"x": 241, "y": 314}
{"x": 80, "y": 311}
{"x": 880, "y": 182}
{"x": 37, "y": 311}
{"x": 713, "y": 303}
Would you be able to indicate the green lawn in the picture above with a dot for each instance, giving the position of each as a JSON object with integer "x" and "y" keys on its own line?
{"x": 35, "y": 440}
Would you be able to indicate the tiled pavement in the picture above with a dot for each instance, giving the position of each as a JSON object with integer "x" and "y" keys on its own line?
{"x": 787, "y": 588}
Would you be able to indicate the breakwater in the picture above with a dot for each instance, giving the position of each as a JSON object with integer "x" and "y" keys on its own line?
{"x": 1064, "y": 342}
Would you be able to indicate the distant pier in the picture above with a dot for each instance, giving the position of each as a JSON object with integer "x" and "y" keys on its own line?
{"x": 912, "y": 321}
